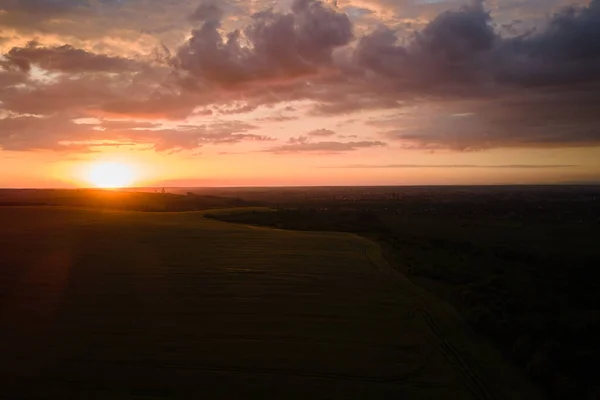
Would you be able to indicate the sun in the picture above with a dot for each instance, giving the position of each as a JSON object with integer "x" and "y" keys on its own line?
{"x": 110, "y": 175}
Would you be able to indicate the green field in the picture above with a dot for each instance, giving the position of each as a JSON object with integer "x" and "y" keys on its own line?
{"x": 112, "y": 304}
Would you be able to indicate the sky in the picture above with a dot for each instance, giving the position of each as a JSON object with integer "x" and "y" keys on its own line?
{"x": 300, "y": 92}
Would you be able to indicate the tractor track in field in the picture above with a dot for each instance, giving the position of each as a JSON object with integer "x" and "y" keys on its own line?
{"x": 474, "y": 383}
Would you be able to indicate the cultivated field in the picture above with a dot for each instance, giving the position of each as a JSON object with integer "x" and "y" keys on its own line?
{"x": 113, "y": 304}
{"x": 519, "y": 264}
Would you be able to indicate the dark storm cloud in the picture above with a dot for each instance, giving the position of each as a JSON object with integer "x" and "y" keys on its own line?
{"x": 459, "y": 47}
{"x": 449, "y": 49}
{"x": 67, "y": 58}
{"x": 566, "y": 52}
{"x": 462, "y": 47}
{"x": 303, "y": 144}
{"x": 539, "y": 89}
{"x": 207, "y": 11}
{"x": 276, "y": 45}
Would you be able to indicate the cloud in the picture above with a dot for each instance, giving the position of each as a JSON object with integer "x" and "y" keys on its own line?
{"x": 58, "y": 133}
{"x": 456, "y": 166}
{"x": 10, "y": 76}
{"x": 550, "y": 119}
{"x": 273, "y": 46}
{"x": 448, "y": 49}
{"x": 460, "y": 55}
{"x": 123, "y": 25}
{"x": 357, "y": 12}
{"x": 207, "y": 11}
{"x": 140, "y": 94}
{"x": 172, "y": 140}
{"x": 34, "y": 133}
{"x": 125, "y": 124}
{"x": 321, "y": 133}
{"x": 346, "y": 97}
{"x": 189, "y": 138}
{"x": 42, "y": 7}
{"x": 66, "y": 58}
{"x": 302, "y": 144}
{"x": 66, "y": 95}
{"x": 154, "y": 106}
{"x": 462, "y": 48}
{"x": 31, "y": 18}
{"x": 513, "y": 89}
{"x": 566, "y": 52}
{"x": 278, "y": 118}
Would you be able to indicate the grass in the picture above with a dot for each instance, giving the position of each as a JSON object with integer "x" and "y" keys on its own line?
{"x": 115, "y": 304}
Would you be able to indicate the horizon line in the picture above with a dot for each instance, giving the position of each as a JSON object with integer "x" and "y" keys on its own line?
{"x": 591, "y": 183}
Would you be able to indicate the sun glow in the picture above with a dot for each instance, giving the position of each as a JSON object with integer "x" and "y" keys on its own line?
{"x": 110, "y": 175}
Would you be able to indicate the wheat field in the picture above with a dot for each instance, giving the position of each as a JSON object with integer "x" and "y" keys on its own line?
{"x": 122, "y": 305}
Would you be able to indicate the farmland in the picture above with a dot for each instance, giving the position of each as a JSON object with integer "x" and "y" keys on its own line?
{"x": 519, "y": 263}
{"x": 121, "y": 304}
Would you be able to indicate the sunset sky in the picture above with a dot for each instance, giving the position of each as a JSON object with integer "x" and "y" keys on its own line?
{"x": 300, "y": 92}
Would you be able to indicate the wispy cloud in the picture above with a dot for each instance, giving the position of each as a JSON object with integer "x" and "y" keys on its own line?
{"x": 302, "y": 145}
{"x": 321, "y": 133}
{"x": 457, "y": 166}
{"x": 67, "y": 58}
